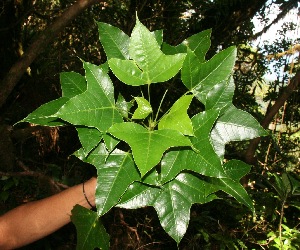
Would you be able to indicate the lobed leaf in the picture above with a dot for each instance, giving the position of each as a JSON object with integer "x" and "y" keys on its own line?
{"x": 203, "y": 159}
{"x": 199, "y": 43}
{"x": 147, "y": 146}
{"x": 123, "y": 106}
{"x": 219, "y": 96}
{"x": 148, "y": 64}
{"x": 172, "y": 202}
{"x": 115, "y": 171}
{"x": 236, "y": 169}
{"x": 158, "y": 34}
{"x": 235, "y": 189}
{"x": 95, "y": 107}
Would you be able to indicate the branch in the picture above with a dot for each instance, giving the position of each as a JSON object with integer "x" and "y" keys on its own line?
{"x": 43, "y": 39}
{"x": 294, "y": 49}
{"x": 55, "y": 186}
{"x": 284, "y": 10}
{"x": 293, "y": 85}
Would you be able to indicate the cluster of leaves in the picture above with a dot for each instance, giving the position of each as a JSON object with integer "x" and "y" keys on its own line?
{"x": 280, "y": 206}
{"x": 174, "y": 161}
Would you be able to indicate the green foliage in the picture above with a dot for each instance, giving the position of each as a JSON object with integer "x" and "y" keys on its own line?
{"x": 289, "y": 239}
{"x": 84, "y": 220}
{"x": 173, "y": 161}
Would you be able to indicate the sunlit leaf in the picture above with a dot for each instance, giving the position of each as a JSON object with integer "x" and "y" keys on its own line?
{"x": 91, "y": 233}
{"x": 234, "y": 125}
{"x": 177, "y": 118}
{"x": 95, "y": 107}
{"x": 143, "y": 110}
{"x": 152, "y": 177}
{"x": 218, "y": 96}
{"x": 147, "y": 146}
{"x": 235, "y": 170}
{"x": 199, "y": 43}
{"x": 172, "y": 50}
{"x": 158, "y": 34}
{"x": 148, "y": 64}
{"x": 197, "y": 76}
{"x": 172, "y": 202}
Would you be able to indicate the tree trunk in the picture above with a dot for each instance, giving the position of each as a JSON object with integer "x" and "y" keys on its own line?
{"x": 293, "y": 85}
{"x": 43, "y": 39}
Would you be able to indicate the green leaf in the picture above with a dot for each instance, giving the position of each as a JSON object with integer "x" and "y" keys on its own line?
{"x": 279, "y": 185}
{"x": 72, "y": 84}
{"x": 143, "y": 110}
{"x": 198, "y": 43}
{"x": 235, "y": 189}
{"x": 91, "y": 233}
{"x": 236, "y": 169}
{"x": 153, "y": 177}
{"x": 172, "y": 50}
{"x": 295, "y": 183}
{"x": 127, "y": 71}
{"x": 114, "y": 41}
{"x": 198, "y": 76}
{"x": 172, "y": 202}
{"x": 147, "y": 146}
{"x": 89, "y": 138}
{"x": 46, "y": 114}
{"x": 234, "y": 125}
{"x": 203, "y": 160}
{"x": 158, "y": 34}
{"x": 123, "y": 106}
{"x": 95, "y": 107}
{"x": 115, "y": 171}
{"x": 148, "y": 64}
{"x": 110, "y": 142}
{"x": 177, "y": 118}
{"x": 218, "y": 96}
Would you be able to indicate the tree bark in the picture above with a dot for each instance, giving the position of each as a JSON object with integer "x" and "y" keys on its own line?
{"x": 249, "y": 156}
{"x": 42, "y": 40}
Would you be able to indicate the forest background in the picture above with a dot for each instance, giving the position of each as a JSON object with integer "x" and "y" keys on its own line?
{"x": 40, "y": 39}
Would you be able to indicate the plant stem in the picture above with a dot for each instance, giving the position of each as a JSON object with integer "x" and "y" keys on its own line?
{"x": 160, "y": 105}
{"x": 280, "y": 223}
